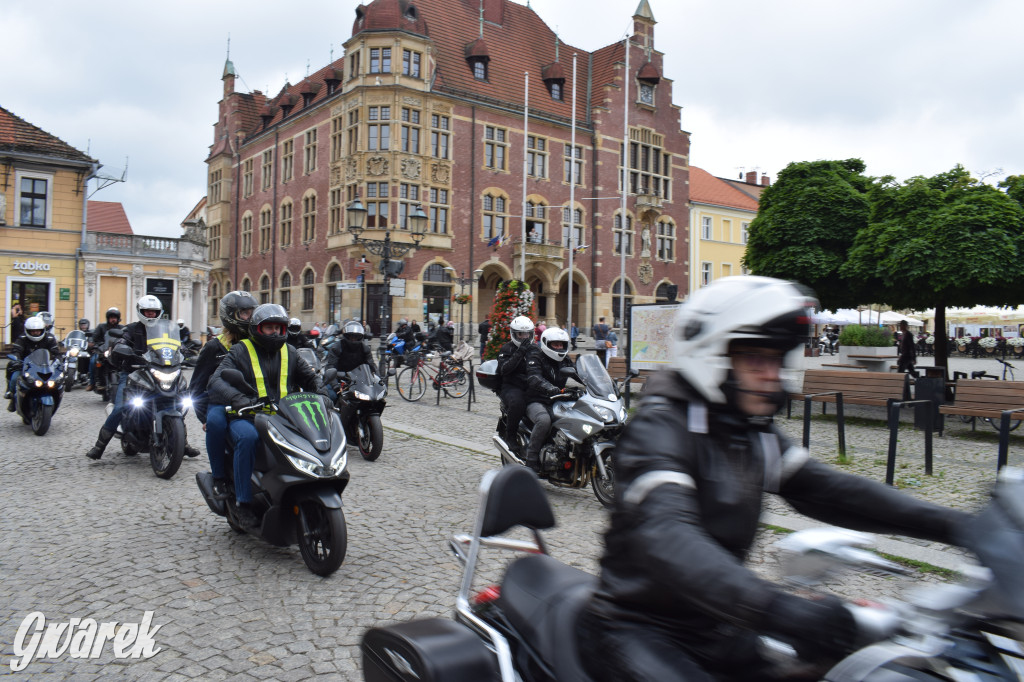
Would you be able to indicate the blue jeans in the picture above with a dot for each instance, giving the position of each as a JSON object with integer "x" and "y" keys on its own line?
{"x": 92, "y": 366}
{"x": 216, "y": 438}
{"x": 244, "y": 433}
{"x": 12, "y": 386}
{"x": 114, "y": 418}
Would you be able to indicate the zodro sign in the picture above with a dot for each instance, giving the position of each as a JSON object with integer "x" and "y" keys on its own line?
{"x": 27, "y": 267}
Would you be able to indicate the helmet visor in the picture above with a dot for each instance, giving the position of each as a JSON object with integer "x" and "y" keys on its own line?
{"x": 558, "y": 346}
{"x": 522, "y": 335}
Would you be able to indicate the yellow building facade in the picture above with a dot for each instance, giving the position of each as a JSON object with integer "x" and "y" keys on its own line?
{"x": 720, "y": 216}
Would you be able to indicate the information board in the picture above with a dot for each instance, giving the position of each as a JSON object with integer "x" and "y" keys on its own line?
{"x": 650, "y": 335}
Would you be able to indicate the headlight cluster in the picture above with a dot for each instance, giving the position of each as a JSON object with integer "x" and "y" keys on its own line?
{"x": 360, "y": 396}
{"x": 74, "y": 351}
{"x": 307, "y": 463}
{"x": 165, "y": 379}
{"x": 605, "y": 414}
{"x": 186, "y": 403}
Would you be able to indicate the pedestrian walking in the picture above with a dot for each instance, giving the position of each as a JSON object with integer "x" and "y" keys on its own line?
{"x": 601, "y": 344}
{"x": 612, "y": 349}
{"x": 907, "y": 350}
{"x": 574, "y": 333}
{"x": 485, "y": 331}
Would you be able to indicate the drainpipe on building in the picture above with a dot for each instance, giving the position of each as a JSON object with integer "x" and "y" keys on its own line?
{"x": 85, "y": 216}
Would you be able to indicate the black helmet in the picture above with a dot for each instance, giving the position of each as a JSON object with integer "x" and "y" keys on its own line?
{"x": 233, "y": 303}
{"x": 85, "y": 322}
{"x": 113, "y": 312}
{"x": 353, "y": 334}
{"x": 262, "y": 318}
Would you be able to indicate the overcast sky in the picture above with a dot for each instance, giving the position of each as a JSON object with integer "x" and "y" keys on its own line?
{"x": 913, "y": 87}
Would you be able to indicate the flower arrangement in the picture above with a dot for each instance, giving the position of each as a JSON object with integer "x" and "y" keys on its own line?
{"x": 1016, "y": 341}
{"x": 512, "y": 299}
{"x": 463, "y": 299}
{"x": 988, "y": 342}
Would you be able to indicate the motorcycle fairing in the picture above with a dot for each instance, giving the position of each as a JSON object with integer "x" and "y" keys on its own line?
{"x": 309, "y": 414}
{"x": 163, "y": 344}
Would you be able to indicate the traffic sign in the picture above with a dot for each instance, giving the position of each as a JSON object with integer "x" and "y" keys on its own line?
{"x": 347, "y": 285}
{"x": 397, "y": 287}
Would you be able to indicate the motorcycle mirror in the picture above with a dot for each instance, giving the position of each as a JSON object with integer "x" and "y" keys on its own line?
{"x": 568, "y": 372}
{"x": 331, "y": 374}
{"x": 235, "y": 378}
{"x": 117, "y": 333}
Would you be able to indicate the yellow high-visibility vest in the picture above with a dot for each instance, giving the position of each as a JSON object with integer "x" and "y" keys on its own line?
{"x": 261, "y": 386}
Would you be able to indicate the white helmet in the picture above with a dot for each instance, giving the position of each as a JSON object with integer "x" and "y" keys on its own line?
{"x": 149, "y": 302}
{"x": 35, "y": 329}
{"x": 181, "y": 323}
{"x": 521, "y": 329}
{"x": 764, "y": 311}
{"x": 555, "y": 343}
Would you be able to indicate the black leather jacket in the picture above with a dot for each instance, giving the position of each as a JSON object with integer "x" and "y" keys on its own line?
{"x": 209, "y": 359}
{"x": 346, "y": 359}
{"x": 512, "y": 365}
{"x": 543, "y": 376}
{"x": 135, "y": 338}
{"x": 98, "y": 335}
{"x": 299, "y": 340}
{"x": 300, "y": 374}
{"x": 22, "y": 347}
{"x": 689, "y": 485}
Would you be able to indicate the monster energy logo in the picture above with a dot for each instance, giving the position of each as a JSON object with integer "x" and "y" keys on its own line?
{"x": 309, "y": 409}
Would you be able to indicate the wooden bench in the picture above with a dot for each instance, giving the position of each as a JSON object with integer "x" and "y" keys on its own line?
{"x": 877, "y": 389}
{"x": 988, "y": 399}
{"x": 845, "y": 366}
{"x": 617, "y": 371}
{"x": 873, "y": 362}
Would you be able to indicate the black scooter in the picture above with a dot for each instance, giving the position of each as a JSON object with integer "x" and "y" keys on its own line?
{"x": 361, "y": 401}
{"x": 298, "y": 478}
{"x": 40, "y": 389}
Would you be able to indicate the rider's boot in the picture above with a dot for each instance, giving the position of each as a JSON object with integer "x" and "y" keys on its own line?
{"x": 101, "y": 443}
{"x": 246, "y": 516}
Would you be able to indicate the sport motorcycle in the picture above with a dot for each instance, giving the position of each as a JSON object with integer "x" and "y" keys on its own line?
{"x": 361, "y": 401}
{"x": 39, "y": 389}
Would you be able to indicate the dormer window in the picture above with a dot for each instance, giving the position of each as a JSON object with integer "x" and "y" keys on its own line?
{"x": 554, "y": 78}
{"x": 556, "y": 90}
{"x": 479, "y": 69}
{"x": 477, "y": 57}
{"x": 410, "y": 13}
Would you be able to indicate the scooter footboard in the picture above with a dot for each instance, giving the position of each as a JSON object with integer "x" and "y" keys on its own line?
{"x": 428, "y": 650}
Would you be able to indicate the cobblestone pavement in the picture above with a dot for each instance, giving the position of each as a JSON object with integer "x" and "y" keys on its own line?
{"x": 108, "y": 540}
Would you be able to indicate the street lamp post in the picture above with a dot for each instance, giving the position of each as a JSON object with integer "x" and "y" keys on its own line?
{"x": 462, "y": 281}
{"x": 386, "y": 249}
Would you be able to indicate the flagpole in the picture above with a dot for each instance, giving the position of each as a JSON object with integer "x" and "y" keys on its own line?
{"x": 572, "y": 193}
{"x": 625, "y": 179}
{"x": 526, "y": 143}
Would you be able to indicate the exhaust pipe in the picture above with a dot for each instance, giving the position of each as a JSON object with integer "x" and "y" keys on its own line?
{"x": 505, "y": 450}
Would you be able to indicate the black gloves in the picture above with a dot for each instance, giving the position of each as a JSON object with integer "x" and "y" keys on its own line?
{"x": 240, "y": 402}
{"x": 819, "y": 629}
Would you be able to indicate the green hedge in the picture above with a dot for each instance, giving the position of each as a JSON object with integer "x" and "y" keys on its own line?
{"x": 859, "y": 335}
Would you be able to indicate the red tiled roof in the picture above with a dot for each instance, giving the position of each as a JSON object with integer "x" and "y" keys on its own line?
{"x": 705, "y": 188}
{"x": 107, "y": 216}
{"x": 747, "y": 188}
{"x": 649, "y": 72}
{"x": 17, "y": 135}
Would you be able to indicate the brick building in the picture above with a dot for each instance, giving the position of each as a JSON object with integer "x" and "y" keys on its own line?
{"x": 426, "y": 108}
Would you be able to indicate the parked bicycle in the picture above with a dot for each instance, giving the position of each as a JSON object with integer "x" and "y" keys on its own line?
{"x": 449, "y": 375}
{"x": 1007, "y": 375}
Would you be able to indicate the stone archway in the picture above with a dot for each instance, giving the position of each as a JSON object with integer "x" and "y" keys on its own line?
{"x": 580, "y": 300}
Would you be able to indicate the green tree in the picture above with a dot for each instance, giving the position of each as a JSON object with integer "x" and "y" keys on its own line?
{"x": 946, "y": 240}
{"x": 806, "y": 223}
{"x": 1014, "y": 186}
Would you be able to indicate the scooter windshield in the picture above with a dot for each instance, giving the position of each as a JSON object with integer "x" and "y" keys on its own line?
{"x": 309, "y": 355}
{"x": 309, "y": 415}
{"x": 163, "y": 344}
{"x": 595, "y": 376}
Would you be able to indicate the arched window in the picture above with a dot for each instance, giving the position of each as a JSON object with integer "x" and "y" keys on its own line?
{"x": 617, "y": 301}
{"x": 495, "y": 217}
{"x": 286, "y": 294}
{"x": 214, "y": 301}
{"x": 436, "y": 273}
{"x": 246, "y": 285}
{"x": 666, "y": 239}
{"x": 308, "y": 280}
{"x": 264, "y": 289}
{"x": 536, "y": 222}
{"x": 576, "y": 235}
{"x": 666, "y": 292}
{"x": 333, "y": 294}
{"x": 246, "y": 234}
{"x": 619, "y": 235}
{"x": 437, "y": 297}
{"x": 286, "y": 222}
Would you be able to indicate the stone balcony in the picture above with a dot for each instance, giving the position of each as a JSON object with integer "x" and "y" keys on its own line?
{"x": 552, "y": 252}
{"x": 139, "y": 245}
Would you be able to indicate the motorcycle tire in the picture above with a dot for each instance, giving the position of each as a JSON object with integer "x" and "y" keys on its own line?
{"x": 322, "y": 537}
{"x": 69, "y": 383}
{"x": 128, "y": 449}
{"x": 371, "y": 437}
{"x": 41, "y": 420}
{"x": 604, "y": 489}
{"x": 165, "y": 456}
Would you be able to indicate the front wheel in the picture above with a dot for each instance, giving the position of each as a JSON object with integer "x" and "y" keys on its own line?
{"x": 411, "y": 384}
{"x": 604, "y": 488}
{"x": 371, "y": 437}
{"x": 322, "y": 536}
{"x": 41, "y": 419}
{"x": 167, "y": 453}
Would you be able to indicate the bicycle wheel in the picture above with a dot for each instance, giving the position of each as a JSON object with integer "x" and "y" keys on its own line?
{"x": 994, "y": 423}
{"x": 411, "y": 384}
{"x": 456, "y": 382}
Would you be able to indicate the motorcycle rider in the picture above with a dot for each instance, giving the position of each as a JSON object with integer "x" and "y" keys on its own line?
{"x": 47, "y": 318}
{"x": 512, "y": 371}
{"x": 442, "y": 336}
{"x": 83, "y": 326}
{"x": 352, "y": 351}
{"x": 184, "y": 333}
{"x": 235, "y": 310}
{"x": 544, "y": 378}
{"x": 34, "y": 338}
{"x": 296, "y": 338}
{"x": 268, "y": 365}
{"x": 675, "y": 601}
{"x": 113, "y": 317}
{"x": 150, "y": 309}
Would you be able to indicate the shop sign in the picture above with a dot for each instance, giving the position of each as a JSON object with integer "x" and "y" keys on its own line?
{"x": 27, "y": 267}
{"x": 65, "y": 294}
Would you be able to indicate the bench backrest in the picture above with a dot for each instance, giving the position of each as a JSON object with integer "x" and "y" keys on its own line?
{"x": 984, "y": 394}
{"x": 873, "y": 384}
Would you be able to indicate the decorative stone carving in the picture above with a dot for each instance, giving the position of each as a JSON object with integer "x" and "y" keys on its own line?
{"x": 441, "y": 108}
{"x": 412, "y": 101}
{"x": 645, "y": 240}
{"x": 440, "y": 173}
{"x": 411, "y": 168}
{"x": 337, "y": 111}
{"x": 646, "y": 273}
{"x": 351, "y": 168}
{"x": 377, "y": 165}
{"x": 354, "y": 102}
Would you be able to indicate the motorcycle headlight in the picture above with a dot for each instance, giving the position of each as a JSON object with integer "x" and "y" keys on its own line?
{"x": 165, "y": 379}
{"x": 360, "y": 396}
{"x": 605, "y": 414}
{"x": 622, "y": 414}
{"x": 301, "y": 460}
{"x": 137, "y": 401}
{"x": 39, "y": 384}
{"x": 186, "y": 403}
{"x": 74, "y": 352}
{"x": 51, "y": 383}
